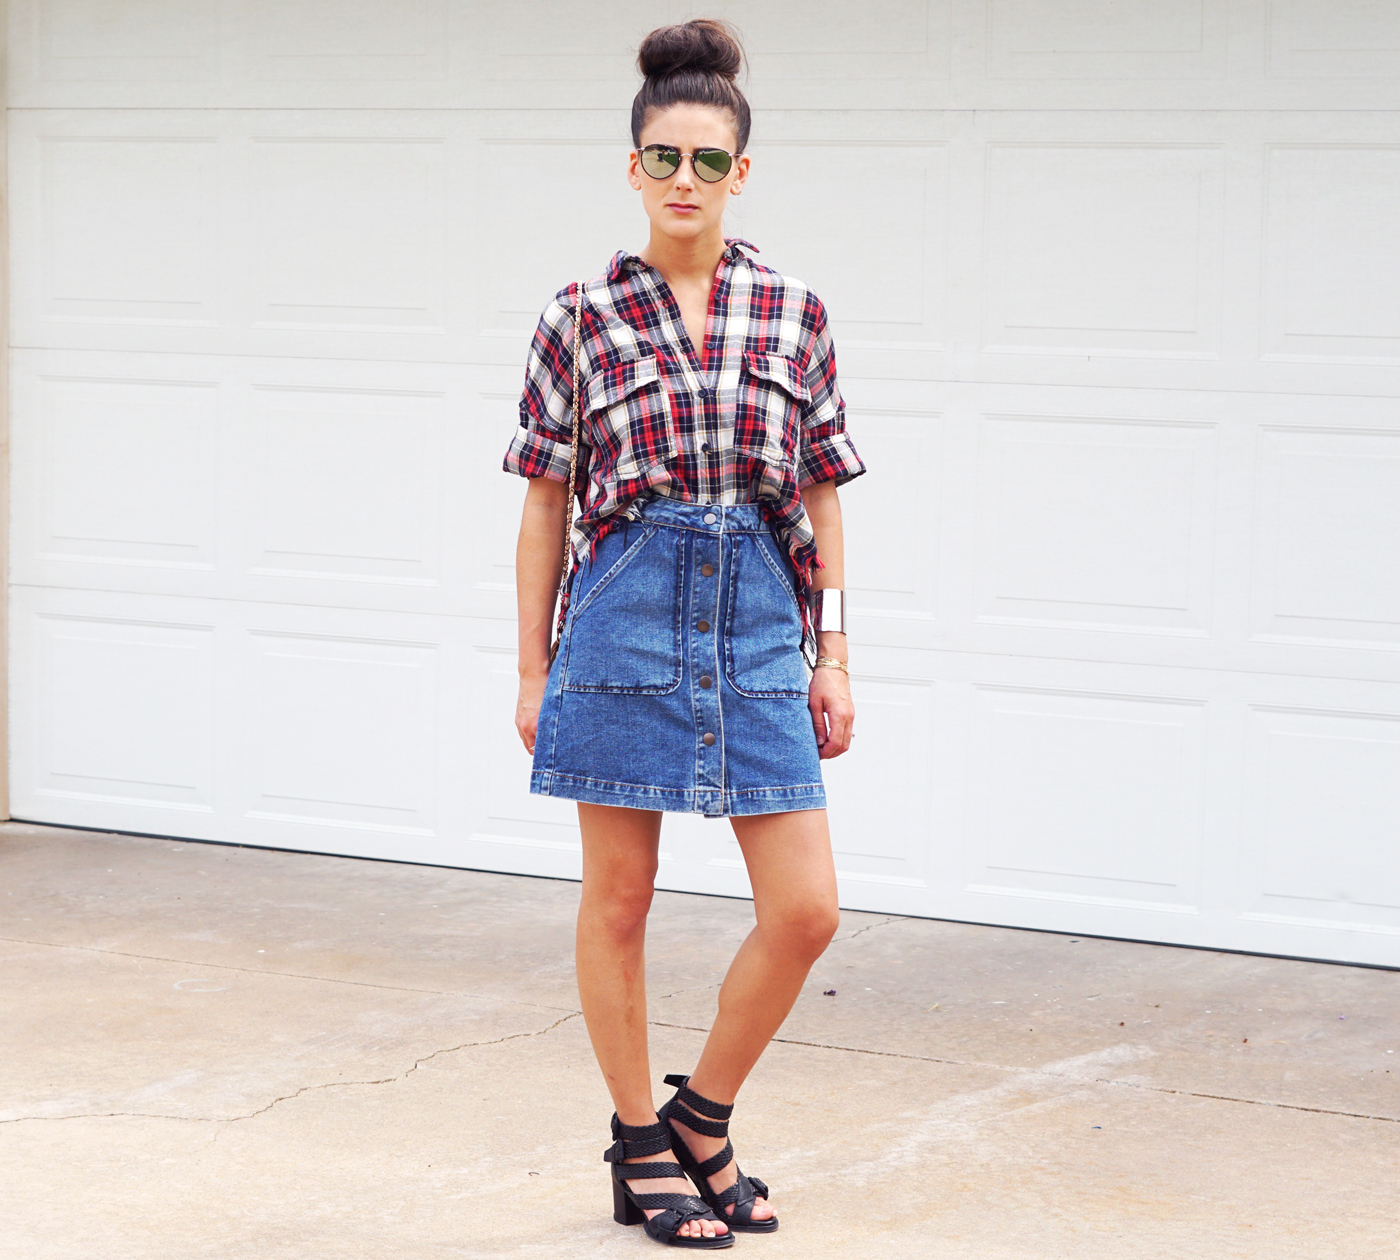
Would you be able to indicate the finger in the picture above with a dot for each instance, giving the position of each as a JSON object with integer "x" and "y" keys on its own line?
{"x": 840, "y": 738}
{"x": 818, "y": 719}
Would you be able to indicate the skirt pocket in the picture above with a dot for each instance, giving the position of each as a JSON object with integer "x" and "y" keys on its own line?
{"x": 625, "y": 632}
{"x": 763, "y": 627}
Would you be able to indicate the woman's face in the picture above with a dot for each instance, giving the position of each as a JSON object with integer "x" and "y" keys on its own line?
{"x": 682, "y": 206}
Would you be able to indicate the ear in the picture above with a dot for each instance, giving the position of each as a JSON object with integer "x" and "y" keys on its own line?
{"x": 634, "y": 171}
{"x": 741, "y": 173}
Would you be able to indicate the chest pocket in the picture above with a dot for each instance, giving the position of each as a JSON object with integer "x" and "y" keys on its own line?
{"x": 630, "y": 426}
{"x": 773, "y": 395}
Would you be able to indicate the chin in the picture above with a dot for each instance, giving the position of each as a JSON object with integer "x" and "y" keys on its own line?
{"x": 683, "y": 229}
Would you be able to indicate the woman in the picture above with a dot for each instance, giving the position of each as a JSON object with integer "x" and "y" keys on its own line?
{"x": 712, "y": 440}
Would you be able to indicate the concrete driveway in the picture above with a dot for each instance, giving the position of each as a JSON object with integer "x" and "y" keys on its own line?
{"x": 218, "y": 1052}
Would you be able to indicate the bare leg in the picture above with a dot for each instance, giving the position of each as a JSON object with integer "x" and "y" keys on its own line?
{"x": 794, "y": 889}
{"x": 619, "y": 873}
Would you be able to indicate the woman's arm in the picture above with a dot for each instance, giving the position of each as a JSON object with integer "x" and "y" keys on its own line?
{"x": 539, "y": 557}
{"x": 829, "y": 697}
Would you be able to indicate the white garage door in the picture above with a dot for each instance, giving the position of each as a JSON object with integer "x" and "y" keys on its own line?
{"x": 1116, "y": 286}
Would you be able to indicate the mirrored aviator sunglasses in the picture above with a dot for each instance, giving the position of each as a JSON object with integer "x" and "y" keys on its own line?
{"x": 661, "y": 161}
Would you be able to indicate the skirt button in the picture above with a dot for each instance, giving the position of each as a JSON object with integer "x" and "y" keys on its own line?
{"x": 702, "y": 626}
{"x": 707, "y": 570}
{"x": 706, "y": 681}
{"x": 708, "y": 738}
{"x": 710, "y": 518}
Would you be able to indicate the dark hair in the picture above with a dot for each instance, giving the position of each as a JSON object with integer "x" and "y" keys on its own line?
{"x": 693, "y": 63}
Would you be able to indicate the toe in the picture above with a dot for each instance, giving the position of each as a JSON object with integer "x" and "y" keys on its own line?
{"x": 761, "y": 1210}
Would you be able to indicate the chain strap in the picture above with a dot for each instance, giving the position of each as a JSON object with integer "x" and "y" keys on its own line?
{"x": 567, "y": 565}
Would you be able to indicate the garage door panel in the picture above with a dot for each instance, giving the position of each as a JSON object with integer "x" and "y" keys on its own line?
{"x": 1103, "y": 248}
{"x": 349, "y": 233}
{"x": 120, "y": 473}
{"x": 1336, "y": 39}
{"x": 1097, "y": 523}
{"x": 112, "y": 710}
{"x": 1333, "y": 252}
{"x": 1323, "y": 814}
{"x": 343, "y": 730}
{"x": 354, "y": 40}
{"x": 1108, "y": 39}
{"x": 129, "y": 230}
{"x": 68, "y": 41}
{"x": 1059, "y": 778}
{"x": 1328, "y": 538}
{"x": 347, "y": 484}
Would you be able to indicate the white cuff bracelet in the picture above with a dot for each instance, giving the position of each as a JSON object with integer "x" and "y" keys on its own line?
{"x": 829, "y": 610}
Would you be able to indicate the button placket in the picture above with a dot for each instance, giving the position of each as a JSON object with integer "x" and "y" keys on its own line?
{"x": 704, "y": 601}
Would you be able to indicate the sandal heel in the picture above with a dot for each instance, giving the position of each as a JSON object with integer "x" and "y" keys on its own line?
{"x": 625, "y": 1212}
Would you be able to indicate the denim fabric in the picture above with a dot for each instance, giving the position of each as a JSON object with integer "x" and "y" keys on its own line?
{"x": 656, "y": 655}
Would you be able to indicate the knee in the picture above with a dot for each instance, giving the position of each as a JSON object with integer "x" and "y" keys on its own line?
{"x": 621, "y": 911}
{"x": 805, "y": 930}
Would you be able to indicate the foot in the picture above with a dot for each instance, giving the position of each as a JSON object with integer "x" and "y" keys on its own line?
{"x": 702, "y": 1148}
{"x": 675, "y": 1185}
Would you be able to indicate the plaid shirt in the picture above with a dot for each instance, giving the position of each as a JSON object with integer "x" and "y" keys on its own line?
{"x": 755, "y": 419}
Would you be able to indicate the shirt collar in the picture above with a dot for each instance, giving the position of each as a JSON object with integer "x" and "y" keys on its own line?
{"x": 624, "y": 263}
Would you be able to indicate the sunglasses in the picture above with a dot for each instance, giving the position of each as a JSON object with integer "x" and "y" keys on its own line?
{"x": 661, "y": 161}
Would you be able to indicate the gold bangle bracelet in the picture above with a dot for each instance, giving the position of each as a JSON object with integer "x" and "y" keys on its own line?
{"x": 830, "y": 662}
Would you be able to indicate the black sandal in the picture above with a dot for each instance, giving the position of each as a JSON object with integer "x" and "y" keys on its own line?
{"x": 631, "y": 1142}
{"x": 712, "y": 1120}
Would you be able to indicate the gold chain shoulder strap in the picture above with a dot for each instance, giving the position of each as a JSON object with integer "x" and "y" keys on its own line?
{"x": 573, "y": 466}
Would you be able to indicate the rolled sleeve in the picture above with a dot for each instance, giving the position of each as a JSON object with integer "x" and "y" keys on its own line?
{"x": 540, "y": 446}
{"x": 827, "y": 452}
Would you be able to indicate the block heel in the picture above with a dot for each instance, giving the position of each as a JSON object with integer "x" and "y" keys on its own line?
{"x": 625, "y": 1212}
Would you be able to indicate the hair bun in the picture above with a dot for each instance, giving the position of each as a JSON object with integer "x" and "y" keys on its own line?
{"x": 702, "y": 45}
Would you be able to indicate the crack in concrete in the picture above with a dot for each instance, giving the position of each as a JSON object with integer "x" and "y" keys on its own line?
{"x": 1097, "y": 1080}
{"x": 285, "y": 975}
{"x": 305, "y": 1089}
{"x": 894, "y": 918}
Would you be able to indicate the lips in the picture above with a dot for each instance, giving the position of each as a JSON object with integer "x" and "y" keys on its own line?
{"x": 681, "y": 205}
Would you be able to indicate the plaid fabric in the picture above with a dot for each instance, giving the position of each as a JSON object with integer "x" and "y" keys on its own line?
{"x": 757, "y": 419}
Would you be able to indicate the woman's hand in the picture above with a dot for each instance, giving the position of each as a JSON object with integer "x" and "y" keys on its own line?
{"x": 527, "y": 706}
{"x": 833, "y": 711}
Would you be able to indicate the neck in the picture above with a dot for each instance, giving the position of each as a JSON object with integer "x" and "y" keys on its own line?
{"x": 687, "y": 260}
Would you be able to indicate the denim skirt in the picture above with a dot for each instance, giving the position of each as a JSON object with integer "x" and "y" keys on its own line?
{"x": 679, "y": 683}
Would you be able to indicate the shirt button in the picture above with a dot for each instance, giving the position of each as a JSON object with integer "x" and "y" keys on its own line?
{"x": 705, "y": 446}
{"x": 707, "y": 570}
{"x": 708, "y": 738}
{"x": 710, "y": 518}
{"x": 702, "y": 626}
{"x": 706, "y": 681}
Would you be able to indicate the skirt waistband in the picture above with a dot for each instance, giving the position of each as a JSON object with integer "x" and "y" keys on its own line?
{"x": 709, "y": 518}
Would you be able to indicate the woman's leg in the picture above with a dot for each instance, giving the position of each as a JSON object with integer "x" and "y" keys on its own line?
{"x": 619, "y": 873}
{"x": 794, "y": 892}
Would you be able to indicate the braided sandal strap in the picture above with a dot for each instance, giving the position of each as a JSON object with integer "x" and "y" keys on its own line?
{"x": 642, "y": 1172}
{"x": 708, "y": 1168}
{"x": 635, "y": 1141}
{"x": 698, "y": 1103}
